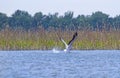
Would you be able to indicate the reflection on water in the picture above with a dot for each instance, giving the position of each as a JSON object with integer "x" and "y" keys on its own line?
{"x": 47, "y": 64}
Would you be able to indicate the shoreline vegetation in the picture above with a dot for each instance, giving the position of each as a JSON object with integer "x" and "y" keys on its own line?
{"x": 23, "y": 31}
{"x": 41, "y": 39}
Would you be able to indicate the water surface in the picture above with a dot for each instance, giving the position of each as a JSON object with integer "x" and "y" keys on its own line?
{"x": 47, "y": 64}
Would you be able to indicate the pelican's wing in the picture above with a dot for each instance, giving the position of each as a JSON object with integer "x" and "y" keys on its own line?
{"x": 73, "y": 39}
{"x": 64, "y": 43}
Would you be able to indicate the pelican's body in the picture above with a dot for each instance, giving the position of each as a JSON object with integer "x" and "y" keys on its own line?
{"x": 69, "y": 45}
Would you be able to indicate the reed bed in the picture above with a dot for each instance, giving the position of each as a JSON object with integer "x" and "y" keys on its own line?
{"x": 42, "y": 39}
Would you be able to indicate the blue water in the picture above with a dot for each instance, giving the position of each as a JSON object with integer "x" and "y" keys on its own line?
{"x": 47, "y": 64}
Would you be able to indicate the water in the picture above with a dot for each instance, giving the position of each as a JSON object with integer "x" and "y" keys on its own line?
{"x": 47, "y": 64}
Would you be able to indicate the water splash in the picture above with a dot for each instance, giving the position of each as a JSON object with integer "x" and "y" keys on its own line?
{"x": 56, "y": 50}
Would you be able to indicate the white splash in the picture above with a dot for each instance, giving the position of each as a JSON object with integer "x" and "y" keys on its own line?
{"x": 55, "y": 50}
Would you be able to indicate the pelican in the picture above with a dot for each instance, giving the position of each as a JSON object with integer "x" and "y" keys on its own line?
{"x": 69, "y": 45}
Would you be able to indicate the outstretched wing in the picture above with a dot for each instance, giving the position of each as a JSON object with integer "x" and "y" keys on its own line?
{"x": 64, "y": 42}
{"x": 74, "y": 37}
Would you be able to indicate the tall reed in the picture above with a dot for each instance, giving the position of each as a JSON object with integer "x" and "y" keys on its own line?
{"x": 19, "y": 39}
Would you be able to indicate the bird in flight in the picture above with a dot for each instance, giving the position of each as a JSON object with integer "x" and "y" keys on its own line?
{"x": 69, "y": 45}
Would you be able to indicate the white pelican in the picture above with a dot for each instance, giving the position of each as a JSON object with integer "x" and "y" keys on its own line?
{"x": 69, "y": 45}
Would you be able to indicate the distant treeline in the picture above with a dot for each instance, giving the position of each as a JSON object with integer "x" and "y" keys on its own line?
{"x": 96, "y": 21}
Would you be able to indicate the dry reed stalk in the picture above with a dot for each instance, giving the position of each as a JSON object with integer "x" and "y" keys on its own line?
{"x": 47, "y": 39}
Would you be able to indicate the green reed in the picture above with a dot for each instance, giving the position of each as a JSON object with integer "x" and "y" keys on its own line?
{"x": 47, "y": 39}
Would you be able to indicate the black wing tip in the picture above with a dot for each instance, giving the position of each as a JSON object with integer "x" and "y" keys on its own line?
{"x": 76, "y": 34}
{"x": 60, "y": 38}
